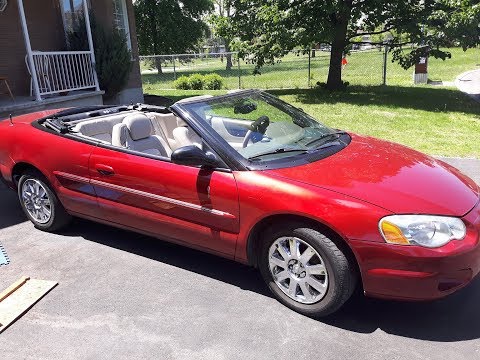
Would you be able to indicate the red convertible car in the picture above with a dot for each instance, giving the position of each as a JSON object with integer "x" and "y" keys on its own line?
{"x": 248, "y": 177}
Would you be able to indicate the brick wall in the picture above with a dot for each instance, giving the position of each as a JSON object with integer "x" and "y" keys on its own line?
{"x": 44, "y": 22}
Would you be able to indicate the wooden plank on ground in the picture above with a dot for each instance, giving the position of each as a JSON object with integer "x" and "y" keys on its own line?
{"x": 18, "y": 298}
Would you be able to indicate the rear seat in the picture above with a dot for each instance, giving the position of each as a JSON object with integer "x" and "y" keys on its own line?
{"x": 101, "y": 128}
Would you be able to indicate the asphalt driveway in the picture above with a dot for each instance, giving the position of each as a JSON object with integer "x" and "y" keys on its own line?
{"x": 127, "y": 296}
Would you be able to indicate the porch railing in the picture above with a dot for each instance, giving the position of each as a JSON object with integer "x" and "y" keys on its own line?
{"x": 63, "y": 71}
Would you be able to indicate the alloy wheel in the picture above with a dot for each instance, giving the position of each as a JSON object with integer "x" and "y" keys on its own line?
{"x": 36, "y": 201}
{"x": 298, "y": 270}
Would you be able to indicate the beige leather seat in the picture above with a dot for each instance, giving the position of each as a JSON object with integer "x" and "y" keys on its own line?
{"x": 100, "y": 128}
{"x": 184, "y": 135}
{"x": 136, "y": 133}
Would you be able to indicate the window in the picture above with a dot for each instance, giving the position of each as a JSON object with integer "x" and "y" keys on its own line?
{"x": 72, "y": 11}
{"x": 120, "y": 19}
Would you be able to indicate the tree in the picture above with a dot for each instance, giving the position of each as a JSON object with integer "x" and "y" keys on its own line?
{"x": 170, "y": 26}
{"x": 221, "y": 26}
{"x": 267, "y": 30}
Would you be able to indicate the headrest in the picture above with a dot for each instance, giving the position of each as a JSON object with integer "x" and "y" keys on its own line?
{"x": 120, "y": 135}
{"x": 181, "y": 123}
{"x": 139, "y": 125}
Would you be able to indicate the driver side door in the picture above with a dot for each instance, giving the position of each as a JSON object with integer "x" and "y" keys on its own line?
{"x": 179, "y": 203}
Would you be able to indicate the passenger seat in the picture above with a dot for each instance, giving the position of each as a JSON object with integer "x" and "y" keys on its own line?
{"x": 184, "y": 135}
{"x": 136, "y": 133}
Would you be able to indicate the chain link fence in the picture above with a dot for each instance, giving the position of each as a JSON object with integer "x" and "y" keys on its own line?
{"x": 297, "y": 69}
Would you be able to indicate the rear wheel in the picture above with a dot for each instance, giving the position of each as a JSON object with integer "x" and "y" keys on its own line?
{"x": 306, "y": 270}
{"x": 40, "y": 203}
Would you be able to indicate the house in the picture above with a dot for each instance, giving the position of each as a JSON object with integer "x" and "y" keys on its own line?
{"x": 34, "y": 60}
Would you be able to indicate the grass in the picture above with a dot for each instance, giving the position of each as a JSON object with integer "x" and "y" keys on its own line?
{"x": 432, "y": 119}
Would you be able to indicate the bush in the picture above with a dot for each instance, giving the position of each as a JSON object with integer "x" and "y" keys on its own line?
{"x": 213, "y": 82}
{"x": 199, "y": 82}
{"x": 196, "y": 81}
{"x": 182, "y": 83}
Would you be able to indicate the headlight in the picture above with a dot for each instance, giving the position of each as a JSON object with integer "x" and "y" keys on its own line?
{"x": 424, "y": 230}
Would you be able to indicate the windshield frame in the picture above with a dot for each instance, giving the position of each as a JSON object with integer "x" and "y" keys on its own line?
{"x": 231, "y": 156}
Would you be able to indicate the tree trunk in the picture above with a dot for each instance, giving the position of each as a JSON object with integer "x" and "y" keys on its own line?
{"x": 334, "y": 81}
{"x": 158, "y": 65}
{"x": 229, "y": 65}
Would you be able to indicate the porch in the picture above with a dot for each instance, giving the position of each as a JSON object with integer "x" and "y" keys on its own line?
{"x": 47, "y": 78}
{"x": 27, "y": 104}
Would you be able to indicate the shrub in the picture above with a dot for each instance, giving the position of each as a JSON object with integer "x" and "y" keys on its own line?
{"x": 182, "y": 83}
{"x": 213, "y": 82}
{"x": 196, "y": 81}
{"x": 199, "y": 82}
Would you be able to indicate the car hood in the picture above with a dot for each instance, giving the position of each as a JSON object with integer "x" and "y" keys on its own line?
{"x": 392, "y": 176}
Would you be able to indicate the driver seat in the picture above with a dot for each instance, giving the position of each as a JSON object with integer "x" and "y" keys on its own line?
{"x": 185, "y": 136}
{"x": 136, "y": 133}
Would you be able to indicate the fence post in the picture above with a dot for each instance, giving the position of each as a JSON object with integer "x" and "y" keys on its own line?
{"x": 385, "y": 56}
{"x": 239, "y": 73}
{"x": 309, "y": 66}
{"x": 174, "y": 68}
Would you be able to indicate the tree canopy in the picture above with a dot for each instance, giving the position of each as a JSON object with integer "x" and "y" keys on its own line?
{"x": 170, "y": 26}
{"x": 267, "y": 30}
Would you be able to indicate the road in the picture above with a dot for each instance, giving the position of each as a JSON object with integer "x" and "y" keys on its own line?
{"x": 127, "y": 296}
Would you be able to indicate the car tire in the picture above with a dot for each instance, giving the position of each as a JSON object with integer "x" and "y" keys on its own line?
{"x": 337, "y": 282}
{"x": 40, "y": 203}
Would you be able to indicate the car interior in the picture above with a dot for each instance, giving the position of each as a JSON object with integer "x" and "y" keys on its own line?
{"x": 147, "y": 132}
{"x": 154, "y": 133}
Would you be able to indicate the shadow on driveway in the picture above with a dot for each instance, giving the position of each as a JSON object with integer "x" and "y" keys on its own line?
{"x": 10, "y": 210}
{"x": 455, "y": 318}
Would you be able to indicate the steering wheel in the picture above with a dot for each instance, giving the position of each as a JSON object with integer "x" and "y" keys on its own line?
{"x": 258, "y": 126}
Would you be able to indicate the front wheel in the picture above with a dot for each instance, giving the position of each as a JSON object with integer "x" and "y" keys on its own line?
{"x": 306, "y": 270}
{"x": 40, "y": 203}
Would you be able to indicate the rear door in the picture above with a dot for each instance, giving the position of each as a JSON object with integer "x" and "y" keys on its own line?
{"x": 175, "y": 202}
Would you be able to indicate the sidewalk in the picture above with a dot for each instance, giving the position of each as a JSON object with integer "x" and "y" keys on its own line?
{"x": 469, "y": 83}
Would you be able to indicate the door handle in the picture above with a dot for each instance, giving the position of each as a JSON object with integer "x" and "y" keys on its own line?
{"x": 104, "y": 170}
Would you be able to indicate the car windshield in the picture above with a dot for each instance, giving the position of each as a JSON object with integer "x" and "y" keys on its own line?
{"x": 260, "y": 126}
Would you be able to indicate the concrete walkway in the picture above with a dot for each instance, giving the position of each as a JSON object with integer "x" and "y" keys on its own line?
{"x": 469, "y": 83}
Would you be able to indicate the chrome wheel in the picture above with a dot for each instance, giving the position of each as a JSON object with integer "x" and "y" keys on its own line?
{"x": 36, "y": 201}
{"x": 298, "y": 270}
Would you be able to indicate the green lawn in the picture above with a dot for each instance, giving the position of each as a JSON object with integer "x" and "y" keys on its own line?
{"x": 437, "y": 120}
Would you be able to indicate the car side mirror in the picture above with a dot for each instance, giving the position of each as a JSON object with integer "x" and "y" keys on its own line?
{"x": 192, "y": 155}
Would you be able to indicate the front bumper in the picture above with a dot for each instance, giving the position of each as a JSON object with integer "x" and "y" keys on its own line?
{"x": 417, "y": 273}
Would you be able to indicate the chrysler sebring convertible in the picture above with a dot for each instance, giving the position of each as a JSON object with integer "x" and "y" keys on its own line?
{"x": 246, "y": 176}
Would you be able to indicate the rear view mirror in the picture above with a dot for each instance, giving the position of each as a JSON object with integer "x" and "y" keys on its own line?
{"x": 245, "y": 108}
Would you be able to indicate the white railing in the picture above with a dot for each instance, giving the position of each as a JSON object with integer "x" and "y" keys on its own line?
{"x": 63, "y": 71}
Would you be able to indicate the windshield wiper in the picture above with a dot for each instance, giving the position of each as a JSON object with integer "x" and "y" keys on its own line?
{"x": 337, "y": 134}
{"x": 279, "y": 151}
